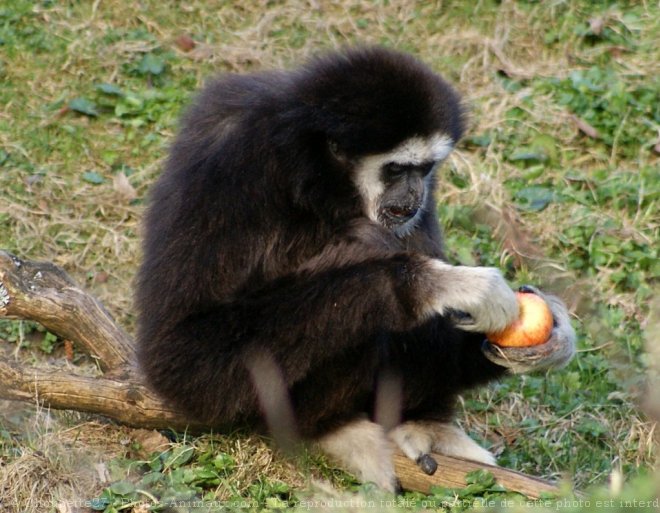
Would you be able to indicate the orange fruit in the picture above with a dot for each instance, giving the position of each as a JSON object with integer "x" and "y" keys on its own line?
{"x": 533, "y": 326}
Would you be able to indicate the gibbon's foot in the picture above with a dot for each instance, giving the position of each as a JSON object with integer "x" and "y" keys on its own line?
{"x": 553, "y": 354}
{"x": 417, "y": 439}
{"x": 362, "y": 448}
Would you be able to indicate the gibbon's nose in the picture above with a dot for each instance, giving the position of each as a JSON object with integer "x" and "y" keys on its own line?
{"x": 402, "y": 212}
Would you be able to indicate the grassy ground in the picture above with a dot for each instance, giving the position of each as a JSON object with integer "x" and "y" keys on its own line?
{"x": 557, "y": 182}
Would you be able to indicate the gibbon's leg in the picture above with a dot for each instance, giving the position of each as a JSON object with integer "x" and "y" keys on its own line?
{"x": 418, "y": 438}
{"x": 416, "y": 444}
{"x": 437, "y": 362}
{"x": 362, "y": 448}
{"x": 451, "y": 440}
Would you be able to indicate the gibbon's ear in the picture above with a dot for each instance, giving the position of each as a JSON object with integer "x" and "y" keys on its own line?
{"x": 337, "y": 153}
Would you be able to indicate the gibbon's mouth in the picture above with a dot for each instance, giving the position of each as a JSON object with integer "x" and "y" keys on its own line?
{"x": 399, "y": 214}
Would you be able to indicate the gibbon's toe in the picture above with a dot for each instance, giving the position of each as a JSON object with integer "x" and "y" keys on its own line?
{"x": 427, "y": 463}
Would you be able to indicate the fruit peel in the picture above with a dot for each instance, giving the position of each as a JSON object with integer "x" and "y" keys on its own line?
{"x": 533, "y": 326}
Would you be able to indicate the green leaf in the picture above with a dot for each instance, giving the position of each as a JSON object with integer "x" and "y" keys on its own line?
{"x": 224, "y": 462}
{"x": 205, "y": 475}
{"x": 129, "y": 105}
{"x": 545, "y": 145}
{"x": 151, "y": 478}
{"x": 275, "y": 503}
{"x": 48, "y": 342}
{"x": 179, "y": 456}
{"x": 534, "y": 172}
{"x": 534, "y": 198}
{"x": 591, "y": 427}
{"x": 93, "y": 177}
{"x": 84, "y": 106}
{"x": 122, "y": 488}
{"x": 156, "y": 464}
{"x": 109, "y": 89}
{"x": 480, "y": 476}
{"x": 528, "y": 156}
{"x": 151, "y": 65}
{"x": 99, "y": 503}
{"x": 480, "y": 140}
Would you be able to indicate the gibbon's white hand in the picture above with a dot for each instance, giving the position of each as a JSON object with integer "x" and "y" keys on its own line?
{"x": 553, "y": 354}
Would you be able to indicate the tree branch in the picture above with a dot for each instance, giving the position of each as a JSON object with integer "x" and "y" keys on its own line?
{"x": 122, "y": 398}
{"x": 451, "y": 474}
{"x": 43, "y": 292}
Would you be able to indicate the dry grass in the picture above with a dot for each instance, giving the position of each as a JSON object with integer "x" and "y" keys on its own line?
{"x": 254, "y": 457}
{"x": 56, "y": 465}
{"x": 98, "y": 228}
{"x": 48, "y": 213}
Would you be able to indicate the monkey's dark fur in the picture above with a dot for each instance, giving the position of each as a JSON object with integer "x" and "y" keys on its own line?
{"x": 256, "y": 242}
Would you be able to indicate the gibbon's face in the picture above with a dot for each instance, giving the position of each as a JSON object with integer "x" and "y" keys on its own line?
{"x": 394, "y": 185}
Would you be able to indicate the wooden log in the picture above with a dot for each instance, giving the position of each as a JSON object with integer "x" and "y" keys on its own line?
{"x": 451, "y": 474}
{"x": 43, "y": 292}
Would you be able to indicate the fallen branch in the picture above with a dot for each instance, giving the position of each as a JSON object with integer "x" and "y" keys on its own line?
{"x": 451, "y": 474}
{"x": 44, "y": 293}
{"x": 121, "y": 398}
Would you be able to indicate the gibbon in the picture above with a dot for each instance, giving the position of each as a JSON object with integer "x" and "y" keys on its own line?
{"x": 294, "y": 275}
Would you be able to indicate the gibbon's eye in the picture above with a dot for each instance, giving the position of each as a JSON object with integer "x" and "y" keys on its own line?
{"x": 393, "y": 170}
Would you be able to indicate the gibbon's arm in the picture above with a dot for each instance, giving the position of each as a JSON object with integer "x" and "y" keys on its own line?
{"x": 307, "y": 317}
{"x": 343, "y": 298}
{"x": 296, "y": 324}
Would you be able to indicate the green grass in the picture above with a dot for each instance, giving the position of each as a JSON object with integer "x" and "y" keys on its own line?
{"x": 557, "y": 182}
